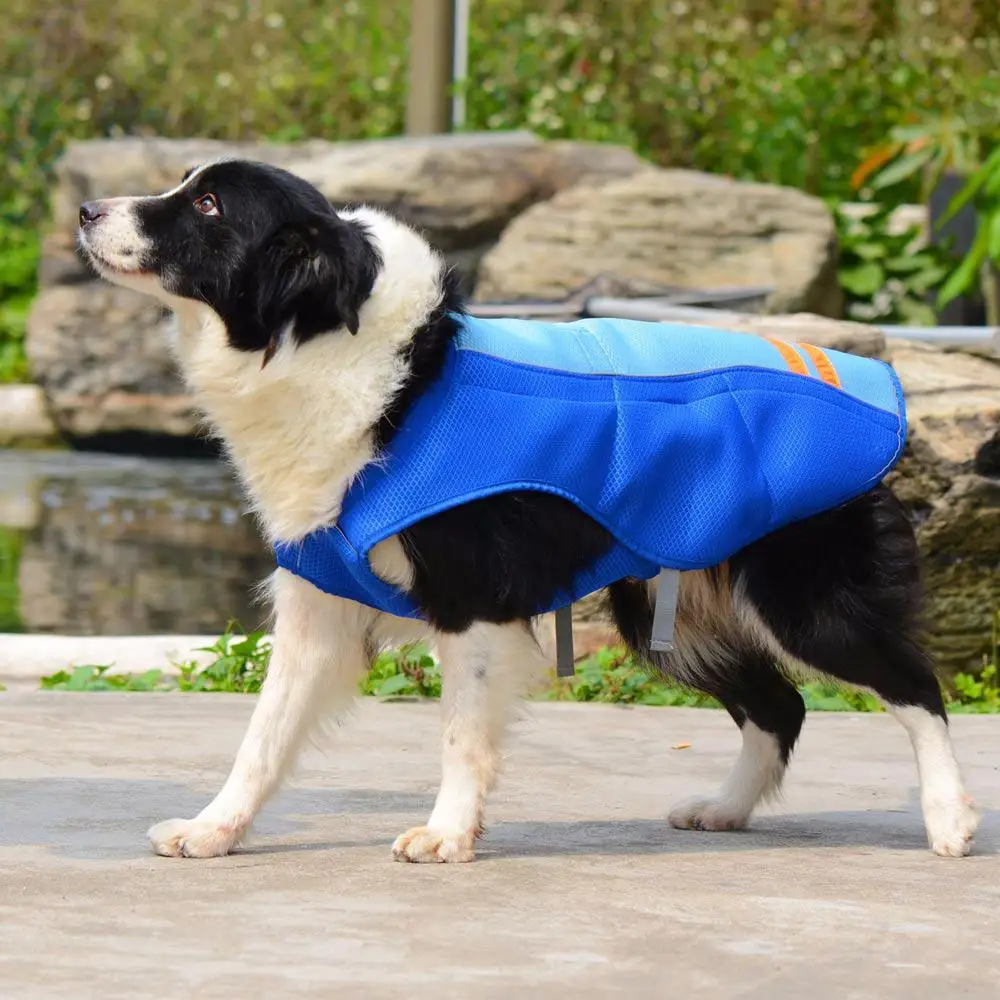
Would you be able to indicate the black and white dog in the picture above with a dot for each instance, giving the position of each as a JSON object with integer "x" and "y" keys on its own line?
{"x": 305, "y": 333}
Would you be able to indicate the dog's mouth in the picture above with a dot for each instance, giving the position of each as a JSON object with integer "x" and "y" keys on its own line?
{"x": 109, "y": 267}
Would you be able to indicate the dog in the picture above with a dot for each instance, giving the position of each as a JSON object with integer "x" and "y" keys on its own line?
{"x": 307, "y": 334}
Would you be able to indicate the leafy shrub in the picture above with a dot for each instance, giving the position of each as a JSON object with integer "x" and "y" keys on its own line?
{"x": 96, "y": 677}
{"x": 884, "y": 279}
{"x": 783, "y": 92}
{"x": 980, "y": 694}
{"x": 240, "y": 664}
{"x": 409, "y": 671}
{"x": 610, "y": 675}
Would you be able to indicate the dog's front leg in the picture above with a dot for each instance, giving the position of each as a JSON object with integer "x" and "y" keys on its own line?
{"x": 319, "y": 653}
{"x": 482, "y": 673}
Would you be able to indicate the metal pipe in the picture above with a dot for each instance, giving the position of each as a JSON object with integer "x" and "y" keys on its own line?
{"x": 653, "y": 310}
{"x": 669, "y": 309}
{"x": 971, "y": 335}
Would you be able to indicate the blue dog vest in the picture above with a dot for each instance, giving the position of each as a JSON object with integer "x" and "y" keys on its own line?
{"x": 686, "y": 443}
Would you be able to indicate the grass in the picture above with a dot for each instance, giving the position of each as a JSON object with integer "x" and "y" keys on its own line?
{"x": 611, "y": 676}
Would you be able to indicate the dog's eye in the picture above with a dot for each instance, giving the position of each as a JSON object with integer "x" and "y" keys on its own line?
{"x": 207, "y": 205}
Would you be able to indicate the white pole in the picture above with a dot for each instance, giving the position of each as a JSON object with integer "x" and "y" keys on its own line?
{"x": 460, "y": 63}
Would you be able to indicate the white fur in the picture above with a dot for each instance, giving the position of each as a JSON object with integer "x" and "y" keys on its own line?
{"x": 299, "y": 430}
{"x": 756, "y": 775}
{"x": 319, "y": 654}
{"x": 116, "y": 240}
{"x": 483, "y": 672}
{"x": 949, "y": 813}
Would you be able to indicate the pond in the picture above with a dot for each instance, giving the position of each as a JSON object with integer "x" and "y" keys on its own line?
{"x": 103, "y": 544}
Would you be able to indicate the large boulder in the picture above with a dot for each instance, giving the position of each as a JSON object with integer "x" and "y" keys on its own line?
{"x": 100, "y": 353}
{"x": 672, "y": 227}
{"x": 949, "y": 477}
{"x": 25, "y": 420}
{"x": 461, "y": 190}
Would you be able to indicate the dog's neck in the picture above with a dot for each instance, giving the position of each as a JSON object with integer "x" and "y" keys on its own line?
{"x": 301, "y": 428}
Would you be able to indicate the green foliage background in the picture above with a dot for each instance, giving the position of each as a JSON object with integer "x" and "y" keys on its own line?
{"x": 784, "y": 91}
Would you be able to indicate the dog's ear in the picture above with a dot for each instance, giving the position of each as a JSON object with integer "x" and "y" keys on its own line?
{"x": 316, "y": 275}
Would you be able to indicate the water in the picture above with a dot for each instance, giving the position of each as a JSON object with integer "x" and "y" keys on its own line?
{"x": 99, "y": 544}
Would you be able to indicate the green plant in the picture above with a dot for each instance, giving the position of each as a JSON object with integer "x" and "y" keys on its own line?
{"x": 919, "y": 154}
{"x": 94, "y": 677}
{"x": 239, "y": 667}
{"x": 980, "y": 693}
{"x": 884, "y": 278}
{"x": 410, "y": 671}
{"x": 610, "y": 675}
{"x": 982, "y": 191}
{"x": 613, "y": 675}
{"x": 820, "y": 696}
{"x": 968, "y": 144}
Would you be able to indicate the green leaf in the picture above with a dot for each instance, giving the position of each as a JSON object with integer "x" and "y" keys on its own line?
{"x": 914, "y": 313}
{"x": 972, "y": 185}
{"x": 83, "y": 677}
{"x": 907, "y": 263}
{"x": 966, "y": 275}
{"x": 56, "y": 681}
{"x": 862, "y": 280}
{"x": 869, "y": 251}
{"x": 394, "y": 685}
{"x": 903, "y": 168}
{"x": 992, "y": 223}
{"x": 910, "y": 133}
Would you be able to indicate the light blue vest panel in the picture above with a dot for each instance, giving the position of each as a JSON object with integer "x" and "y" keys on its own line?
{"x": 687, "y": 443}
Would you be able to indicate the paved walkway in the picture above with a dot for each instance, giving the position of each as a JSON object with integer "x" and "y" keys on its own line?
{"x": 581, "y": 890}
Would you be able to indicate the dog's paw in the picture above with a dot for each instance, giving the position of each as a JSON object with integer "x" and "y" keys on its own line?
{"x": 951, "y": 825}
{"x": 193, "y": 838}
{"x": 424, "y": 844}
{"x": 708, "y": 814}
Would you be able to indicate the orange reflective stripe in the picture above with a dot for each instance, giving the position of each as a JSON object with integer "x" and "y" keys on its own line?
{"x": 791, "y": 356}
{"x": 824, "y": 366}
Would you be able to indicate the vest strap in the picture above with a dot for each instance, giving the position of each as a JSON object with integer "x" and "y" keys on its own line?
{"x": 665, "y": 613}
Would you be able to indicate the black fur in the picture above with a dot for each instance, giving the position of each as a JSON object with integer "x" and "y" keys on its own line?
{"x": 276, "y": 257}
{"x": 841, "y": 594}
{"x": 425, "y": 356}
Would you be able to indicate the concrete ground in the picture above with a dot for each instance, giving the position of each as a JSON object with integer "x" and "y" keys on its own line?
{"x": 581, "y": 889}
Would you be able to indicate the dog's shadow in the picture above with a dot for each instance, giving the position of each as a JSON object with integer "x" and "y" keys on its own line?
{"x": 104, "y": 820}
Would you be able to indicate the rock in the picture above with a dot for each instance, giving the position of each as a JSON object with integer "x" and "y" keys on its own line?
{"x": 671, "y": 227}
{"x": 462, "y": 189}
{"x": 949, "y": 477}
{"x": 100, "y": 353}
{"x": 25, "y": 420}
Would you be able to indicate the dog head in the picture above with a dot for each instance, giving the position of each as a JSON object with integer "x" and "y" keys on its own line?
{"x": 259, "y": 246}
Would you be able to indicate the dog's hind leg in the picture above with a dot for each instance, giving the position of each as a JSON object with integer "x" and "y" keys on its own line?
{"x": 717, "y": 654}
{"x": 841, "y": 594}
{"x": 483, "y": 671}
{"x": 769, "y": 711}
{"x": 320, "y": 650}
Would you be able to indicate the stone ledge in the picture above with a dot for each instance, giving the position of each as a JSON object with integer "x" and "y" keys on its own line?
{"x": 24, "y": 417}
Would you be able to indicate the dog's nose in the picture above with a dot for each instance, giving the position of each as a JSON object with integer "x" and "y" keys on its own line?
{"x": 91, "y": 211}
